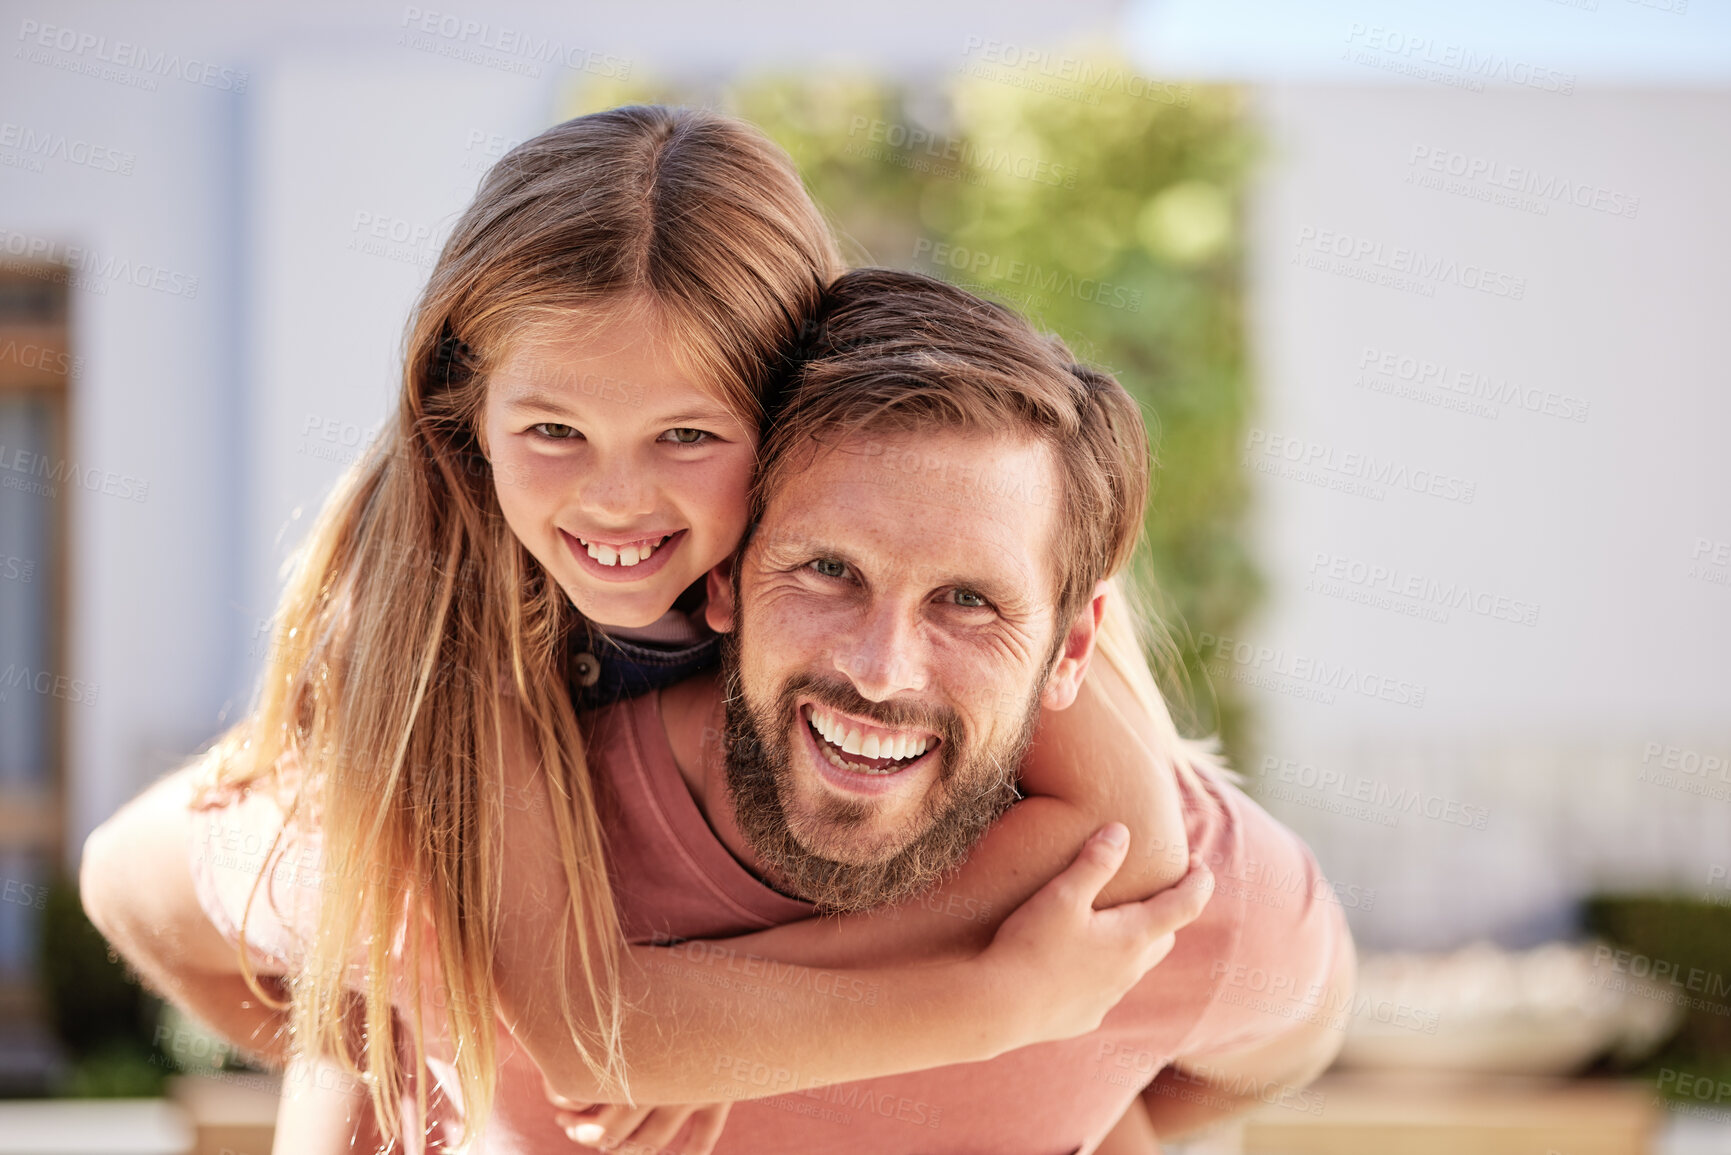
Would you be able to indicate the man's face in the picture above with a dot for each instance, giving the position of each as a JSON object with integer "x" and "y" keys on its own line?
{"x": 895, "y": 630}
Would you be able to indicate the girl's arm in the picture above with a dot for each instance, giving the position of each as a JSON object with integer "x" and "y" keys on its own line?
{"x": 137, "y": 887}
{"x": 701, "y": 1026}
{"x": 942, "y": 980}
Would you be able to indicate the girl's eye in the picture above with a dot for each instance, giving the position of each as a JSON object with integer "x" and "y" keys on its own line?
{"x": 829, "y": 567}
{"x": 553, "y": 431}
{"x": 686, "y": 436}
{"x": 968, "y": 599}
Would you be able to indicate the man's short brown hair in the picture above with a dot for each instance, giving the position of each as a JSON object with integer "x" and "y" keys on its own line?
{"x": 899, "y": 352}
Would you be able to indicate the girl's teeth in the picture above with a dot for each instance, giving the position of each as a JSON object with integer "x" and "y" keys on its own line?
{"x": 627, "y": 555}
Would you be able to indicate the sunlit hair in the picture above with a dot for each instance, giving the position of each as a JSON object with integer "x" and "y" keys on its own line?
{"x": 413, "y": 618}
{"x": 892, "y": 352}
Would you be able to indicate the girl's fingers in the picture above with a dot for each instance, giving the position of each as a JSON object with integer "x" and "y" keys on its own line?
{"x": 604, "y": 1128}
{"x": 706, "y": 1127}
{"x": 1080, "y": 883}
{"x": 659, "y": 1130}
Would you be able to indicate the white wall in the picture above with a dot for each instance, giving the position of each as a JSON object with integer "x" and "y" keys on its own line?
{"x": 1594, "y": 522}
{"x": 155, "y": 401}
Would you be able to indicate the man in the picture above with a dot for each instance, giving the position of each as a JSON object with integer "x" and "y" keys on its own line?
{"x": 940, "y": 496}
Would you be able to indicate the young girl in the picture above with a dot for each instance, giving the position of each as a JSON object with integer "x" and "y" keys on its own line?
{"x": 571, "y": 454}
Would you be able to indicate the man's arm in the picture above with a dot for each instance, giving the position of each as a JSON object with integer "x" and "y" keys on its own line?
{"x": 1197, "y": 1091}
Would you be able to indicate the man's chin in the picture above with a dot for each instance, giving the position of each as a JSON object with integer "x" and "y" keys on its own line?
{"x": 850, "y": 845}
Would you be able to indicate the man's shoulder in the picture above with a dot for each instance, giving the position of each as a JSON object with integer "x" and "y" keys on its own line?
{"x": 1268, "y": 939}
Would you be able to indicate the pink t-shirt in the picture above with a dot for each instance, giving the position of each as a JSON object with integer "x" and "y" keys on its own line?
{"x": 1248, "y": 969}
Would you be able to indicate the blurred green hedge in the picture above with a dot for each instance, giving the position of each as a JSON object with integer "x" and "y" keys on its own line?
{"x": 1692, "y": 939}
{"x": 1109, "y": 208}
{"x": 99, "y": 1012}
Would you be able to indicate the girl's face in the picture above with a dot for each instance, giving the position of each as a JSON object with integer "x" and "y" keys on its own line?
{"x": 622, "y": 476}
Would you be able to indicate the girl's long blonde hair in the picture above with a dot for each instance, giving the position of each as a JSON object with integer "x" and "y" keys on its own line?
{"x": 412, "y": 615}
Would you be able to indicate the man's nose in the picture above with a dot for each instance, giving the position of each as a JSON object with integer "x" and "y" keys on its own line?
{"x": 884, "y": 656}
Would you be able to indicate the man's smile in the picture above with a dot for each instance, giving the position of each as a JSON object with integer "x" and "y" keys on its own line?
{"x": 864, "y": 757}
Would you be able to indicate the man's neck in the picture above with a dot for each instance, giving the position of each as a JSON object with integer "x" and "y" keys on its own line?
{"x": 692, "y": 715}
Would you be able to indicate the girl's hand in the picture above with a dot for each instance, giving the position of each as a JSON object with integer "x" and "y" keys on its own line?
{"x": 644, "y": 1130}
{"x": 1067, "y": 964}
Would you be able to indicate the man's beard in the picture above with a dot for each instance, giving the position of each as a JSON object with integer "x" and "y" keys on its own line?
{"x": 967, "y": 798}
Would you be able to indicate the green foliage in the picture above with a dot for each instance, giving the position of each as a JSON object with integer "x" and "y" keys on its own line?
{"x": 1110, "y": 213}
{"x": 99, "y": 1012}
{"x": 1692, "y": 941}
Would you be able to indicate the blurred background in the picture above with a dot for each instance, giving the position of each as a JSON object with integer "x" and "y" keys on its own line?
{"x": 1426, "y": 302}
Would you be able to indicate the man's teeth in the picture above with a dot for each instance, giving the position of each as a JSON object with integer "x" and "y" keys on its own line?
{"x": 898, "y": 747}
{"x": 623, "y": 555}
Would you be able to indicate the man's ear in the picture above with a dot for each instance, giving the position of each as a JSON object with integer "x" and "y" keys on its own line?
{"x": 1077, "y": 651}
{"x": 719, "y": 612}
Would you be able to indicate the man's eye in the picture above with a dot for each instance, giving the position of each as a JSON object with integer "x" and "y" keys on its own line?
{"x": 970, "y": 600}
{"x": 687, "y": 436}
{"x": 553, "y": 431}
{"x": 829, "y": 567}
